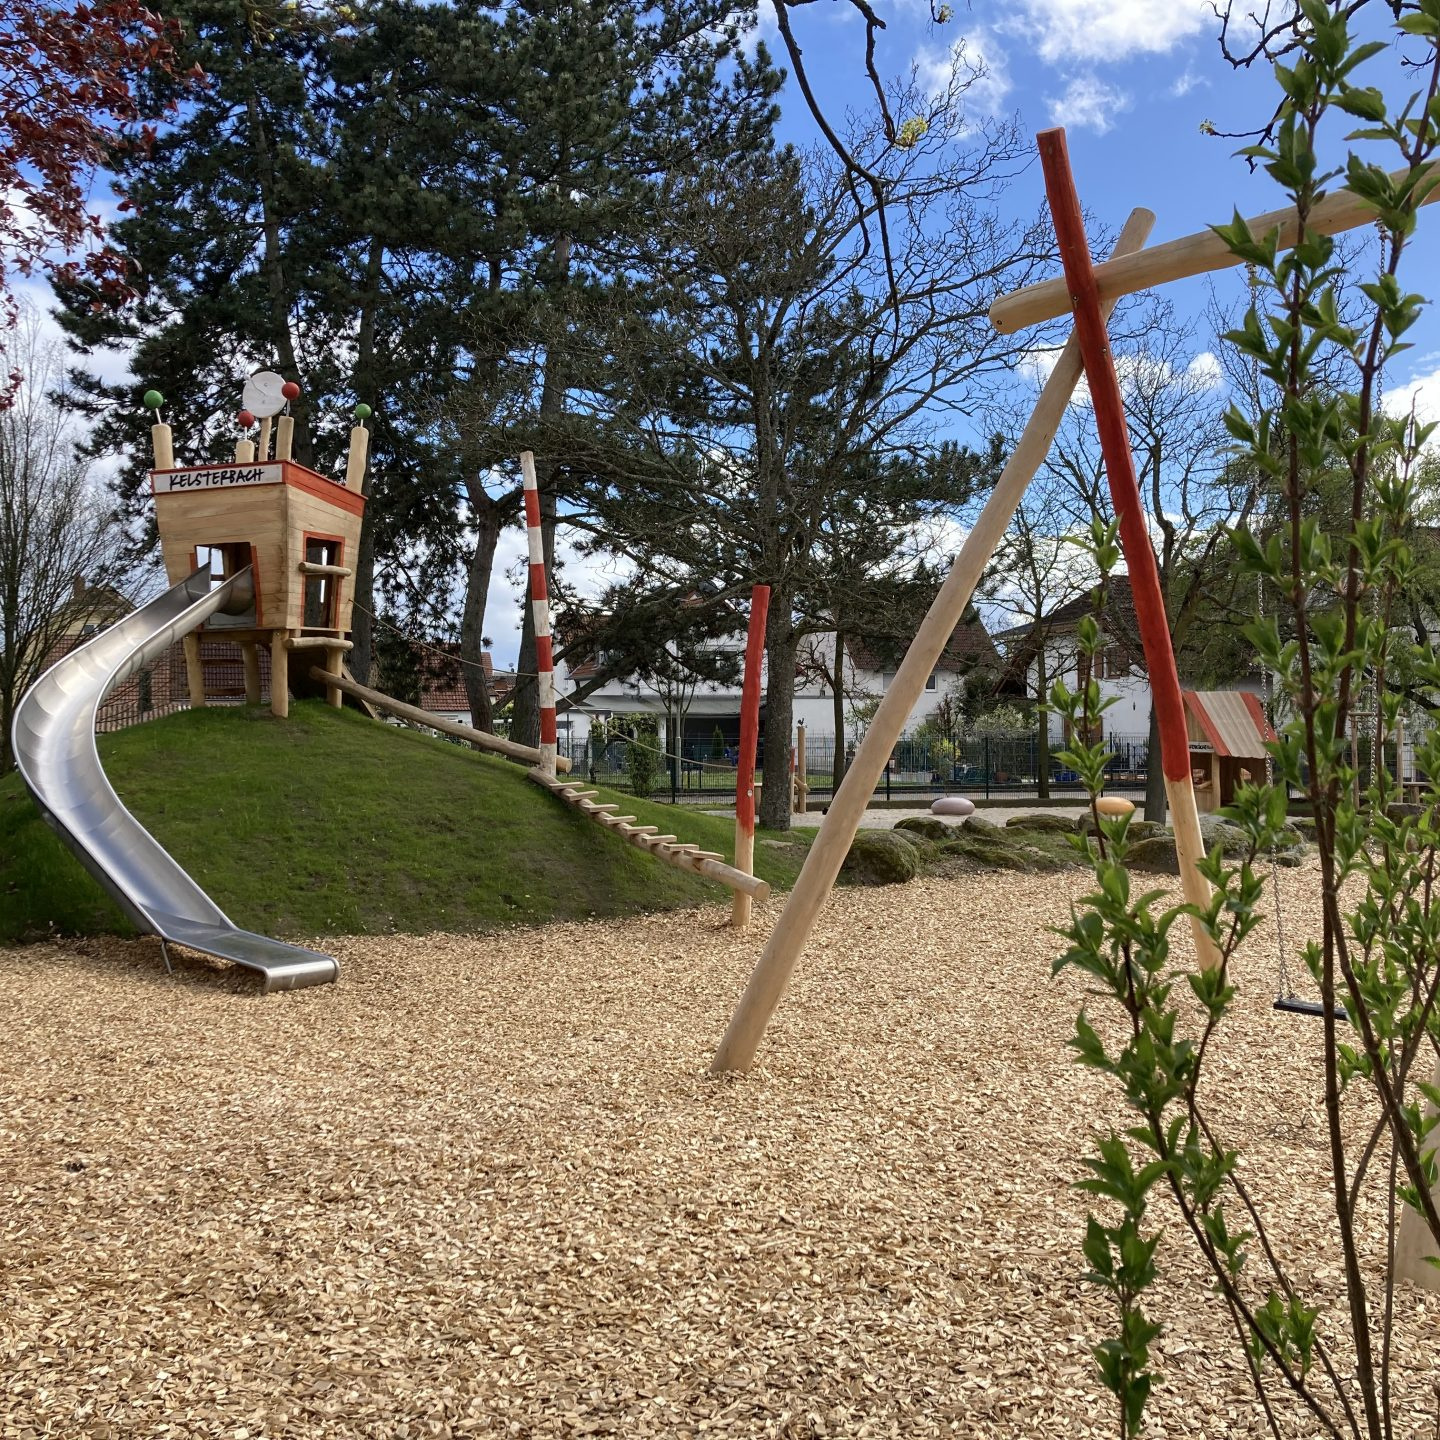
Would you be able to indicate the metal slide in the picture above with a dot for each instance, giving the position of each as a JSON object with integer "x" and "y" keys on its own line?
{"x": 54, "y": 743}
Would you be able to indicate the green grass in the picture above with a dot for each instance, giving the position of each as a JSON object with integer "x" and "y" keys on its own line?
{"x": 329, "y": 823}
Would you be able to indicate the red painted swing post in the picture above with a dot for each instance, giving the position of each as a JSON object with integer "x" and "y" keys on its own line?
{"x": 1134, "y": 537}
{"x": 749, "y": 742}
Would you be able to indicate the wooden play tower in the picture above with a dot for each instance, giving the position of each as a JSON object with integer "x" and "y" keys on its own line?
{"x": 297, "y": 530}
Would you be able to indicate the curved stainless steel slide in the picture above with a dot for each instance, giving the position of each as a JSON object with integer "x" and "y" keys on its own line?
{"x": 54, "y": 743}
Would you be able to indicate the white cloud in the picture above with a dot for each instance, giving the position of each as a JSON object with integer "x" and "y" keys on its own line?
{"x": 1422, "y": 395}
{"x": 1088, "y": 102}
{"x": 766, "y": 28}
{"x": 587, "y": 576}
{"x": 1205, "y": 367}
{"x": 1037, "y": 365}
{"x": 975, "y": 65}
{"x": 1186, "y": 83}
{"x": 1064, "y": 31}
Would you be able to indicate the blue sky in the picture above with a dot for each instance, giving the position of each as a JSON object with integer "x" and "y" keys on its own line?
{"x": 1132, "y": 82}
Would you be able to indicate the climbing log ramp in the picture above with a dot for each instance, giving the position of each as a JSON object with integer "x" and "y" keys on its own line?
{"x": 708, "y": 863}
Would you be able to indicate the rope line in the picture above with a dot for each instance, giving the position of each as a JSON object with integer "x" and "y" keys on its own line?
{"x": 443, "y": 654}
{"x": 460, "y": 660}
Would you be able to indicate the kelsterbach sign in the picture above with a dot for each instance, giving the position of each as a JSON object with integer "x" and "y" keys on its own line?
{"x": 216, "y": 477}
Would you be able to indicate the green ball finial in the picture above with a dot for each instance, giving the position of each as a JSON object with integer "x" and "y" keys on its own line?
{"x": 363, "y": 412}
{"x": 152, "y": 400}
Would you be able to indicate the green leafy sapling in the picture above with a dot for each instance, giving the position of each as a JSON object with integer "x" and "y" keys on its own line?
{"x": 1346, "y": 674}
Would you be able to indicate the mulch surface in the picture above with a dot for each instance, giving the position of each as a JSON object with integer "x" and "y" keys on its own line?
{"x": 484, "y": 1187}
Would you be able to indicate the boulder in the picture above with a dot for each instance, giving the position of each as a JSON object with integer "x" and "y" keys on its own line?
{"x": 1232, "y": 840}
{"x": 981, "y": 847}
{"x": 1136, "y": 830}
{"x": 923, "y": 846}
{"x": 953, "y": 805}
{"x": 979, "y": 822}
{"x": 1051, "y": 824}
{"x": 881, "y": 857}
{"x": 927, "y": 826}
{"x": 1397, "y": 813}
{"x": 1156, "y": 854}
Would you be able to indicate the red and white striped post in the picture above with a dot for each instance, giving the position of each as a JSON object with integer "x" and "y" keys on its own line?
{"x": 1134, "y": 537}
{"x": 540, "y": 610}
{"x": 749, "y": 740}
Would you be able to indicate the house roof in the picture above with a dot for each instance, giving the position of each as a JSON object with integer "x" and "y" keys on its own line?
{"x": 1232, "y": 721}
{"x": 969, "y": 646}
{"x": 1117, "y": 620}
{"x": 1119, "y": 610}
{"x": 442, "y": 677}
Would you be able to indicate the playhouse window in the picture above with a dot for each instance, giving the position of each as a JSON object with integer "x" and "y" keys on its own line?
{"x": 320, "y": 590}
{"x": 223, "y": 560}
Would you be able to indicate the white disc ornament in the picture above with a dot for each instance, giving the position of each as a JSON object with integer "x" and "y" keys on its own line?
{"x": 264, "y": 394}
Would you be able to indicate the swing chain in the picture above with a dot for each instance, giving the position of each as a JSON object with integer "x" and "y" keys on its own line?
{"x": 1286, "y": 988}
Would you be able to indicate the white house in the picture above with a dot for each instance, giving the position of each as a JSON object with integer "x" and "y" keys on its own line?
{"x": 707, "y": 707}
{"x": 1119, "y": 668}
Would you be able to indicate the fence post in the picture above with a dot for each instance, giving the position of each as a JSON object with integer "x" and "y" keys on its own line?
{"x": 987, "y": 767}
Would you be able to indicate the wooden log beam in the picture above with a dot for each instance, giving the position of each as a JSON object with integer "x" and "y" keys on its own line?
{"x": 1176, "y": 259}
{"x": 781, "y": 954}
{"x": 313, "y": 567}
{"x": 317, "y": 642}
{"x": 523, "y": 754}
{"x": 1415, "y": 1246}
{"x": 682, "y": 857}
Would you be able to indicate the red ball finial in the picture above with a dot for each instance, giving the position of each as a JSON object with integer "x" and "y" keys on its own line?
{"x": 246, "y": 419}
{"x": 290, "y": 390}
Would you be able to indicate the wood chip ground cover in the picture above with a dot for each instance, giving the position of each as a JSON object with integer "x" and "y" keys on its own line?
{"x": 483, "y": 1187}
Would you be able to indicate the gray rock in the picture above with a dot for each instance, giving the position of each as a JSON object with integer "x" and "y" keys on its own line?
{"x": 923, "y": 846}
{"x": 881, "y": 857}
{"x": 1137, "y": 829}
{"x": 926, "y": 825}
{"x": 1050, "y": 824}
{"x": 1156, "y": 854}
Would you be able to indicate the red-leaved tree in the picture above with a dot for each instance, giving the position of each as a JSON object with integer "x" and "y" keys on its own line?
{"x": 68, "y": 102}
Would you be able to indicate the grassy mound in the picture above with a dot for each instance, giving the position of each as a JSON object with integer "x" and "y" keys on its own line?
{"x": 331, "y": 823}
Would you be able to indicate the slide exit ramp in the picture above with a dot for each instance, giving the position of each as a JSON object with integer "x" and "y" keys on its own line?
{"x": 53, "y": 738}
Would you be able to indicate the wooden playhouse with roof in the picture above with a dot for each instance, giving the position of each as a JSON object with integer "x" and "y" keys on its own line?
{"x": 1228, "y": 733}
{"x": 297, "y": 530}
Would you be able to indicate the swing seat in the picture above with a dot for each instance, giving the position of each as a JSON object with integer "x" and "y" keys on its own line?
{"x": 1296, "y": 1006}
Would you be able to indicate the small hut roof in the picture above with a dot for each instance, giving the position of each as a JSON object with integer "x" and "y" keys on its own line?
{"x": 1230, "y": 720}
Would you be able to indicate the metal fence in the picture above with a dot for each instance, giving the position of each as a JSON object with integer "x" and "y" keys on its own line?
{"x": 986, "y": 766}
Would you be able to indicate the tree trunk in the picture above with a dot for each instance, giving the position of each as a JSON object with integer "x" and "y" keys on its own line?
{"x": 1042, "y": 731}
{"x": 489, "y": 520}
{"x": 780, "y": 651}
{"x": 525, "y": 710}
{"x": 1154, "y": 772}
{"x": 362, "y": 627}
{"x": 837, "y": 771}
{"x": 273, "y": 269}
